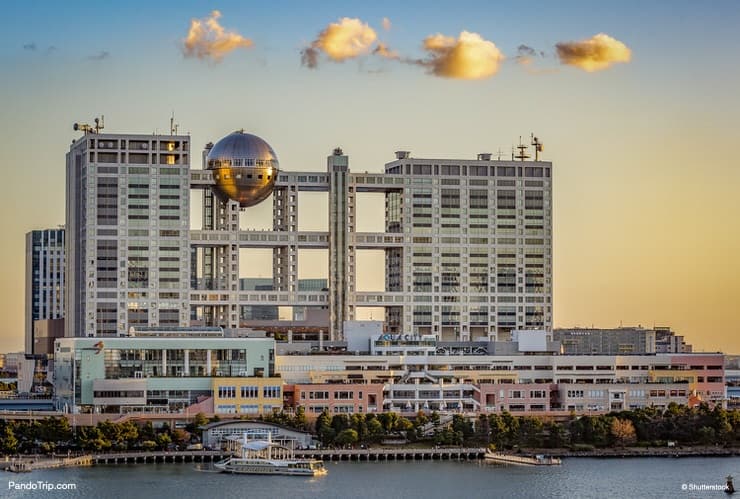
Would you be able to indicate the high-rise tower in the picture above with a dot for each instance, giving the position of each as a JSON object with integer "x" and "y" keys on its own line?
{"x": 127, "y": 221}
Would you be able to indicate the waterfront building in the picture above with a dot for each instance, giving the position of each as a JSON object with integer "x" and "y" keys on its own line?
{"x": 336, "y": 398}
{"x": 221, "y": 434}
{"x": 467, "y": 242}
{"x": 249, "y": 396}
{"x": 127, "y": 223}
{"x": 168, "y": 372}
{"x": 44, "y": 287}
{"x": 465, "y": 383}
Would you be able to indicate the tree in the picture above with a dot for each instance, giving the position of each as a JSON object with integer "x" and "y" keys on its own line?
{"x": 181, "y": 437}
{"x": 299, "y": 418}
{"x": 8, "y": 442}
{"x": 163, "y": 440}
{"x": 324, "y": 428}
{"x": 623, "y": 431}
{"x": 347, "y": 437}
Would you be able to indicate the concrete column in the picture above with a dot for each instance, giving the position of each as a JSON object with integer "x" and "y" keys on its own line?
{"x": 187, "y": 363}
{"x": 164, "y": 362}
{"x": 208, "y": 362}
{"x": 341, "y": 278}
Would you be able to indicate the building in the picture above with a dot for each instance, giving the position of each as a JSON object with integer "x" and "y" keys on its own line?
{"x": 337, "y": 398}
{"x": 473, "y": 383}
{"x": 127, "y": 233}
{"x": 467, "y": 241}
{"x": 616, "y": 341}
{"x": 247, "y": 395}
{"x": 44, "y": 283}
{"x": 667, "y": 341}
{"x": 222, "y": 434}
{"x": 620, "y": 341}
{"x": 155, "y": 372}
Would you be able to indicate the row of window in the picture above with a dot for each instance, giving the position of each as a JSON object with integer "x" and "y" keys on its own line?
{"x": 229, "y": 392}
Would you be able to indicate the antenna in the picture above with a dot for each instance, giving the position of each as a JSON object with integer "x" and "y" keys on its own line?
{"x": 522, "y": 151}
{"x": 173, "y": 126}
{"x": 85, "y": 128}
{"x": 499, "y": 153}
{"x": 538, "y": 147}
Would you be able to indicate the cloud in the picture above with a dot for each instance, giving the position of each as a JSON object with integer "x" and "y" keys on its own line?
{"x": 593, "y": 54}
{"x": 103, "y": 54}
{"x": 386, "y": 24}
{"x": 468, "y": 57}
{"x": 347, "y": 39}
{"x": 29, "y": 46}
{"x": 382, "y": 50}
{"x": 525, "y": 54}
{"x": 207, "y": 39}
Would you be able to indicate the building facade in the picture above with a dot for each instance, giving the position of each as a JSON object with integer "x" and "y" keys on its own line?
{"x": 127, "y": 241}
{"x": 468, "y": 243}
{"x": 45, "y": 263}
{"x": 152, "y": 374}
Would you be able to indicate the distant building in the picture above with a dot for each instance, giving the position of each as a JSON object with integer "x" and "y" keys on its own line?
{"x": 616, "y": 341}
{"x": 666, "y": 341}
{"x": 44, "y": 282}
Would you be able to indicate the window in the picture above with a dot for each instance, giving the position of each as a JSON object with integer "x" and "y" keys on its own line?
{"x": 227, "y": 392}
{"x": 249, "y": 408}
{"x": 250, "y": 392}
{"x": 271, "y": 392}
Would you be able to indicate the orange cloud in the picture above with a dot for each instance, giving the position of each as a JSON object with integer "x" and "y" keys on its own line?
{"x": 386, "y": 24}
{"x": 593, "y": 54}
{"x": 382, "y": 50}
{"x": 346, "y": 39}
{"x": 207, "y": 39}
{"x": 469, "y": 57}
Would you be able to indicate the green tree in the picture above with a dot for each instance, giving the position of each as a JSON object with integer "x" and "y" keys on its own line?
{"x": 8, "y": 442}
{"x": 324, "y": 428}
{"x": 347, "y": 437}
{"x": 163, "y": 440}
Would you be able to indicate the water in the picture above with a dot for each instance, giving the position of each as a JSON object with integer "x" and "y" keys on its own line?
{"x": 602, "y": 478}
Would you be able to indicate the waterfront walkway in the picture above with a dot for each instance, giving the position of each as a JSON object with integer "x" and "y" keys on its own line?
{"x": 385, "y": 454}
{"x": 30, "y": 464}
{"x": 375, "y": 454}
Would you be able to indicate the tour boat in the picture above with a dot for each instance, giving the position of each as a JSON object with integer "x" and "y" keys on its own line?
{"x": 263, "y": 457}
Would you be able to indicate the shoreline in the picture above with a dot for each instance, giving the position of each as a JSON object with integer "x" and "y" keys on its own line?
{"x": 357, "y": 455}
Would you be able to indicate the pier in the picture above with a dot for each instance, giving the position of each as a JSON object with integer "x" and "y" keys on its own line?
{"x": 23, "y": 465}
{"x": 385, "y": 454}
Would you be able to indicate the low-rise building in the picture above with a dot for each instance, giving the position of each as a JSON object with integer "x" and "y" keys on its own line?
{"x": 150, "y": 373}
{"x": 339, "y": 398}
{"x": 250, "y": 395}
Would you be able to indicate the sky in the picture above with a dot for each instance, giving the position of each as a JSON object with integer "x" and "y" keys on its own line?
{"x": 640, "y": 126}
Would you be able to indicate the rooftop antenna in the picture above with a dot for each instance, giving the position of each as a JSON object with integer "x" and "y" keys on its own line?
{"x": 499, "y": 153}
{"x": 173, "y": 126}
{"x": 85, "y": 128}
{"x": 538, "y": 147}
{"x": 522, "y": 151}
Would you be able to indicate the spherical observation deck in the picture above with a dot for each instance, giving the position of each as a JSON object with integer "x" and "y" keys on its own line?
{"x": 244, "y": 167}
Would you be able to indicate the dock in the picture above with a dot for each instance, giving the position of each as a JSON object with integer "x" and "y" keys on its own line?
{"x": 26, "y": 465}
{"x": 401, "y": 454}
{"x": 538, "y": 460}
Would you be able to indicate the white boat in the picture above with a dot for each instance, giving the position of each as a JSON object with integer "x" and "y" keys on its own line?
{"x": 264, "y": 457}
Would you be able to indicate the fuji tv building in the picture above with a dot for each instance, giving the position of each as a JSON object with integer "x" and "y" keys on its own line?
{"x": 467, "y": 243}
